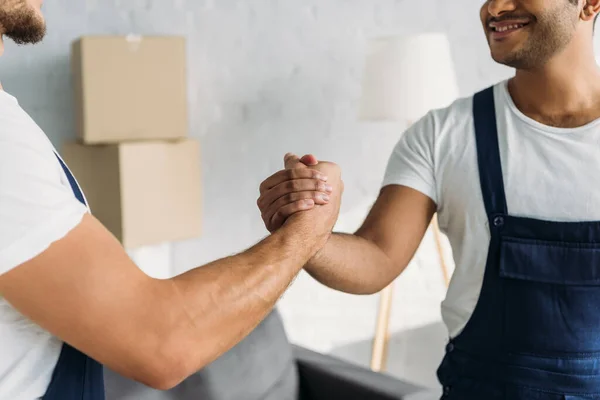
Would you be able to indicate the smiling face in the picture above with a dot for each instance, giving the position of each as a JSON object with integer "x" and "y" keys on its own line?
{"x": 22, "y": 20}
{"x": 525, "y": 34}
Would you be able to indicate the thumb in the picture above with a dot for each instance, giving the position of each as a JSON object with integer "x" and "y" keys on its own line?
{"x": 291, "y": 161}
{"x": 309, "y": 159}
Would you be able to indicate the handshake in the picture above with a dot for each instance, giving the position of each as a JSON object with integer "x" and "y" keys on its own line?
{"x": 305, "y": 196}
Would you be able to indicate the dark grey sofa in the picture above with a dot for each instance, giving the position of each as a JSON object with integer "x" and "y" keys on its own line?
{"x": 265, "y": 366}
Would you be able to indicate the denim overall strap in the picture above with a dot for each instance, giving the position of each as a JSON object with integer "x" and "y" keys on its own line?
{"x": 482, "y": 335}
{"x": 483, "y": 330}
{"x": 488, "y": 154}
{"x": 76, "y": 376}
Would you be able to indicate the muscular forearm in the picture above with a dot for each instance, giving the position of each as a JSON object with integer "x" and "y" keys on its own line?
{"x": 352, "y": 264}
{"x": 220, "y": 303}
{"x": 155, "y": 331}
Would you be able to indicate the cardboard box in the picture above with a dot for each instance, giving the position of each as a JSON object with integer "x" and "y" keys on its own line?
{"x": 129, "y": 88}
{"x": 145, "y": 193}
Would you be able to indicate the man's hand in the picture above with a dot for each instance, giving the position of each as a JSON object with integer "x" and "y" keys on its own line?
{"x": 320, "y": 219}
{"x": 295, "y": 188}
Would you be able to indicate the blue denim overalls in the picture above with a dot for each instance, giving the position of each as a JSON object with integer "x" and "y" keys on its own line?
{"x": 76, "y": 376}
{"x": 535, "y": 331}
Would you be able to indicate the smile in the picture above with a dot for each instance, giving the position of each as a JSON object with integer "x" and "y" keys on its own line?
{"x": 502, "y": 29}
{"x": 507, "y": 27}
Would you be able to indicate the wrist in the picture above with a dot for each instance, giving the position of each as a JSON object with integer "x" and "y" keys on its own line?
{"x": 303, "y": 238}
{"x": 319, "y": 255}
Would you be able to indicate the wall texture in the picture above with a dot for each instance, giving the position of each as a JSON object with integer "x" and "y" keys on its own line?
{"x": 267, "y": 77}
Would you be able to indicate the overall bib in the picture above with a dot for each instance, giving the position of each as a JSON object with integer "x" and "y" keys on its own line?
{"x": 535, "y": 331}
{"x": 76, "y": 376}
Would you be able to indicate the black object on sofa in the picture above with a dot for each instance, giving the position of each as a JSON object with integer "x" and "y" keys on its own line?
{"x": 265, "y": 366}
{"x": 323, "y": 377}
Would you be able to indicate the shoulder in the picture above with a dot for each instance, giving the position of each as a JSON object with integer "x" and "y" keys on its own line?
{"x": 452, "y": 125}
{"x": 36, "y": 205}
{"x": 24, "y": 147}
{"x": 460, "y": 111}
{"x": 438, "y": 125}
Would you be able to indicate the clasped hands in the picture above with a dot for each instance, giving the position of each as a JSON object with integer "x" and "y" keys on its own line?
{"x": 306, "y": 191}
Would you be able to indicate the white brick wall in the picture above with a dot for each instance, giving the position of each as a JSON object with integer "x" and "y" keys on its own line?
{"x": 267, "y": 77}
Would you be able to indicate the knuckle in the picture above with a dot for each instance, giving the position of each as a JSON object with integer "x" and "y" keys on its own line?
{"x": 262, "y": 187}
{"x": 292, "y": 173}
{"x": 262, "y": 203}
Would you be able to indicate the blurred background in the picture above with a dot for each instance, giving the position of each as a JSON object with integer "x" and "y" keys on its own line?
{"x": 265, "y": 77}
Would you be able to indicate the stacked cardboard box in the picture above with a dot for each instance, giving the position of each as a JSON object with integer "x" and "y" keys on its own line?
{"x": 133, "y": 157}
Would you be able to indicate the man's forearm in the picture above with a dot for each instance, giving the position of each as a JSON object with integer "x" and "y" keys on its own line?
{"x": 352, "y": 264}
{"x": 222, "y": 302}
{"x": 155, "y": 331}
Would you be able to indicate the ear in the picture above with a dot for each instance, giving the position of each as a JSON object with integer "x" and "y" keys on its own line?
{"x": 591, "y": 8}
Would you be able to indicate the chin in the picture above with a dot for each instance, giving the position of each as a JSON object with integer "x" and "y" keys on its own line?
{"x": 500, "y": 58}
{"x": 508, "y": 61}
{"x": 506, "y": 54}
{"x": 513, "y": 61}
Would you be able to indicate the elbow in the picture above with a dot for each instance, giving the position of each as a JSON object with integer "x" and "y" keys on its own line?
{"x": 163, "y": 382}
{"x": 384, "y": 281}
{"x": 369, "y": 290}
{"x": 167, "y": 367}
{"x": 161, "y": 375}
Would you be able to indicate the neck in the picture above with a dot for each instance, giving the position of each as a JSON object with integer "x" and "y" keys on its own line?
{"x": 567, "y": 85}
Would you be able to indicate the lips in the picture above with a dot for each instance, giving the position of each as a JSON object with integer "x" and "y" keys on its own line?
{"x": 505, "y": 28}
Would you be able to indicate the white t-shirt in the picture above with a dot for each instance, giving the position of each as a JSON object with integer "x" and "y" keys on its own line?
{"x": 37, "y": 207}
{"x": 549, "y": 173}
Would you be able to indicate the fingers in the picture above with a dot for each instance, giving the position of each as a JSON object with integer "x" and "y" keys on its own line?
{"x": 290, "y": 160}
{"x": 268, "y": 198}
{"x": 291, "y": 203}
{"x": 296, "y": 188}
{"x": 290, "y": 175}
{"x": 309, "y": 160}
{"x": 284, "y": 212}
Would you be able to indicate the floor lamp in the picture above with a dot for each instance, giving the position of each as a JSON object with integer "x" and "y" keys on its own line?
{"x": 404, "y": 78}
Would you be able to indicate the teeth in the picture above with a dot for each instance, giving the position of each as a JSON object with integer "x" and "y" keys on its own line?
{"x": 507, "y": 27}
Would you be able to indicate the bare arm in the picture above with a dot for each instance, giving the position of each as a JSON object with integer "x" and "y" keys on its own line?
{"x": 369, "y": 260}
{"x": 86, "y": 290}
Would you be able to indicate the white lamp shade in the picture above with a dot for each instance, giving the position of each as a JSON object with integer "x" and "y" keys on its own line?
{"x": 407, "y": 76}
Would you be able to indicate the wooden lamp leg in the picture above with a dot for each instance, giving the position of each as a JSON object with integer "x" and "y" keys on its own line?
{"x": 380, "y": 342}
{"x": 381, "y": 339}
